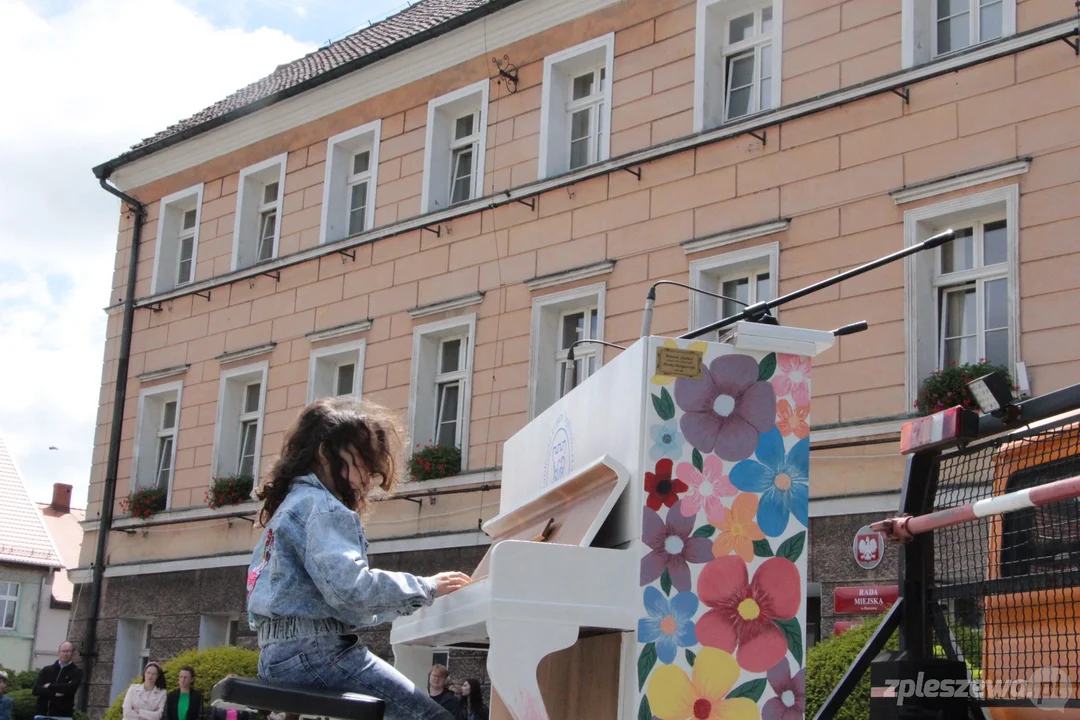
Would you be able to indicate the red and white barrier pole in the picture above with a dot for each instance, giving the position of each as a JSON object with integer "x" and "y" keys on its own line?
{"x": 903, "y": 529}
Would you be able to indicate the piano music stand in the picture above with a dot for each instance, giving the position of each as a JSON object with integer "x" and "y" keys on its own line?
{"x": 703, "y": 549}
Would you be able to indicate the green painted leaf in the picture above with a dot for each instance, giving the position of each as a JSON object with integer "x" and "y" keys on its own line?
{"x": 705, "y": 531}
{"x": 793, "y": 632}
{"x": 762, "y": 548}
{"x": 767, "y": 367}
{"x": 645, "y": 663}
{"x": 663, "y": 404}
{"x": 753, "y": 690}
{"x": 793, "y": 547}
{"x": 665, "y": 582}
{"x": 644, "y": 711}
{"x": 699, "y": 462}
{"x": 691, "y": 657}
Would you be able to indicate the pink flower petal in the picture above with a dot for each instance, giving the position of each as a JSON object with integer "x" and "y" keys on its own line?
{"x": 800, "y": 393}
{"x": 762, "y": 648}
{"x": 690, "y": 505}
{"x": 723, "y": 579}
{"x": 778, "y": 580}
{"x": 689, "y": 474}
{"x": 714, "y": 630}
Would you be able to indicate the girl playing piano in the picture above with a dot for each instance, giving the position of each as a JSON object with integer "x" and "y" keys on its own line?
{"x": 309, "y": 583}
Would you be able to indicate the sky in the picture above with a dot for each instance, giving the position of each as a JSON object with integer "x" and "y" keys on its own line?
{"x": 84, "y": 80}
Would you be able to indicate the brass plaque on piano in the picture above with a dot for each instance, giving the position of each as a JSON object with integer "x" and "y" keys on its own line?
{"x": 675, "y": 362}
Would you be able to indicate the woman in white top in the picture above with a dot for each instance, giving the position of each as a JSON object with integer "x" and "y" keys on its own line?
{"x": 146, "y": 700}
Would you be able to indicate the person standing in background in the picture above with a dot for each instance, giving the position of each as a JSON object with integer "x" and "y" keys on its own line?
{"x": 56, "y": 685}
{"x": 184, "y": 703}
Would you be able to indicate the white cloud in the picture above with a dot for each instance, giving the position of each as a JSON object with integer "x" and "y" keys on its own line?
{"x": 79, "y": 88}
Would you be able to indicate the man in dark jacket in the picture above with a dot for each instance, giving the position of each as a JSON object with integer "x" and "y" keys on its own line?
{"x": 57, "y": 684}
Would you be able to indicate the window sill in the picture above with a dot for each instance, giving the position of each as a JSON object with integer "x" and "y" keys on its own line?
{"x": 176, "y": 517}
{"x": 478, "y": 477}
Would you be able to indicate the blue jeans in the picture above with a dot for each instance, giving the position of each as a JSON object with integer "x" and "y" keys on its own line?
{"x": 341, "y": 663}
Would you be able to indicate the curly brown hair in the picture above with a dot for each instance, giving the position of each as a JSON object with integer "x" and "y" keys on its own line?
{"x": 370, "y": 434}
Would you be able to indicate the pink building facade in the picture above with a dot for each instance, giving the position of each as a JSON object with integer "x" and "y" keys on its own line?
{"x": 394, "y": 217}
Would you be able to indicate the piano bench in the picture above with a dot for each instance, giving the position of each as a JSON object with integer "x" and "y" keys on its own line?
{"x": 291, "y": 700}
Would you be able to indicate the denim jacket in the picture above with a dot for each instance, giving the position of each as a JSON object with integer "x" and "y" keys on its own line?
{"x": 309, "y": 573}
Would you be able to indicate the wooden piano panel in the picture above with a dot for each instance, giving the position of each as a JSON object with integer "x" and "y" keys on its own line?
{"x": 578, "y": 683}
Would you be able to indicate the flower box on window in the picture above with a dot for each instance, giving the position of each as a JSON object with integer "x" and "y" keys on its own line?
{"x": 144, "y": 503}
{"x": 947, "y": 388}
{"x": 229, "y": 490}
{"x": 432, "y": 462}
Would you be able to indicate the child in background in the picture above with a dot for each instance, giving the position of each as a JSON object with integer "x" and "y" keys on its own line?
{"x": 309, "y": 583}
{"x": 7, "y": 707}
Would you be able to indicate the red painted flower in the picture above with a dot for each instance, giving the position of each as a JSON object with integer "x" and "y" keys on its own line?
{"x": 743, "y": 611}
{"x": 662, "y": 488}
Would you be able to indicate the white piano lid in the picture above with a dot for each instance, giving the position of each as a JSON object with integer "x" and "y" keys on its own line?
{"x": 778, "y": 338}
{"x": 578, "y": 505}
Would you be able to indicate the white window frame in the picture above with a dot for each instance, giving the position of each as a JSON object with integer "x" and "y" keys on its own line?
{"x": 712, "y": 51}
{"x": 247, "y": 227}
{"x": 919, "y": 29}
{"x": 338, "y": 182}
{"x": 328, "y": 360}
{"x": 921, "y": 283}
{"x": 545, "y": 332}
{"x": 149, "y": 433}
{"x": 232, "y": 392}
{"x": 439, "y": 145}
{"x": 427, "y": 344}
{"x": 5, "y": 598}
{"x": 556, "y": 108}
{"x": 711, "y": 272}
{"x": 170, "y": 234}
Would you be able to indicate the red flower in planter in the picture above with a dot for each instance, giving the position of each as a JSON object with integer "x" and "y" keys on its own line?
{"x": 663, "y": 489}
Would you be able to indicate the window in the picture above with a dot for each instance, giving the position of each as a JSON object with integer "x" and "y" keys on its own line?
{"x": 936, "y": 28}
{"x": 178, "y": 239}
{"x": 238, "y": 447}
{"x": 132, "y": 652}
{"x": 217, "y": 630}
{"x": 440, "y": 393}
{"x": 9, "y": 605}
{"x": 258, "y": 212}
{"x": 352, "y": 171}
{"x": 575, "y": 118}
{"x": 144, "y": 651}
{"x": 336, "y": 370}
{"x": 558, "y": 321}
{"x": 738, "y": 61}
{"x": 744, "y": 277}
{"x": 964, "y": 294}
{"x": 973, "y": 295}
{"x": 586, "y": 107}
{"x": 456, "y": 143}
{"x": 155, "y": 437}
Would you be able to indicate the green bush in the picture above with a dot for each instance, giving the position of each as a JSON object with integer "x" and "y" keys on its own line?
{"x": 23, "y": 680}
{"x": 947, "y": 388}
{"x": 827, "y": 662}
{"x": 211, "y": 666}
{"x": 25, "y": 704}
{"x": 432, "y": 462}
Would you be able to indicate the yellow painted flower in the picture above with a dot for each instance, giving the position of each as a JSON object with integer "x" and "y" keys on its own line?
{"x": 675, "y": 696}
{"x": 697, "y": 346}
{"x": 738, "y": 531}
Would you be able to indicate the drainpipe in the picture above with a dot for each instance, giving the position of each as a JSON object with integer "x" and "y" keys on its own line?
{"x": 89, "y": 651}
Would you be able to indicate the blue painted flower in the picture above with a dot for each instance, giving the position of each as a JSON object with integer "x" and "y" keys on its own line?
{"x": 782, "y": 481}
{"x": 667, "y": 440}
{"x": 670, "y": 623}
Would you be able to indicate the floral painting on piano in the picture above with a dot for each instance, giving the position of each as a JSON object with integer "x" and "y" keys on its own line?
{"x": 724, "y": 534}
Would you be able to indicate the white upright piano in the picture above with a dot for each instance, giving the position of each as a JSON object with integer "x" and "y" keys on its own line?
{"x": 590, "y": 600}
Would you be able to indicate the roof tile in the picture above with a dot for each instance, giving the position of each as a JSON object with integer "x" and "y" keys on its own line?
{"x": 24, "y": 538}
{"x": 416, "y": 19}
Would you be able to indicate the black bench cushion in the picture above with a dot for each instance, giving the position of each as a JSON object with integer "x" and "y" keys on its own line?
{"x": 297, "y": 700}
